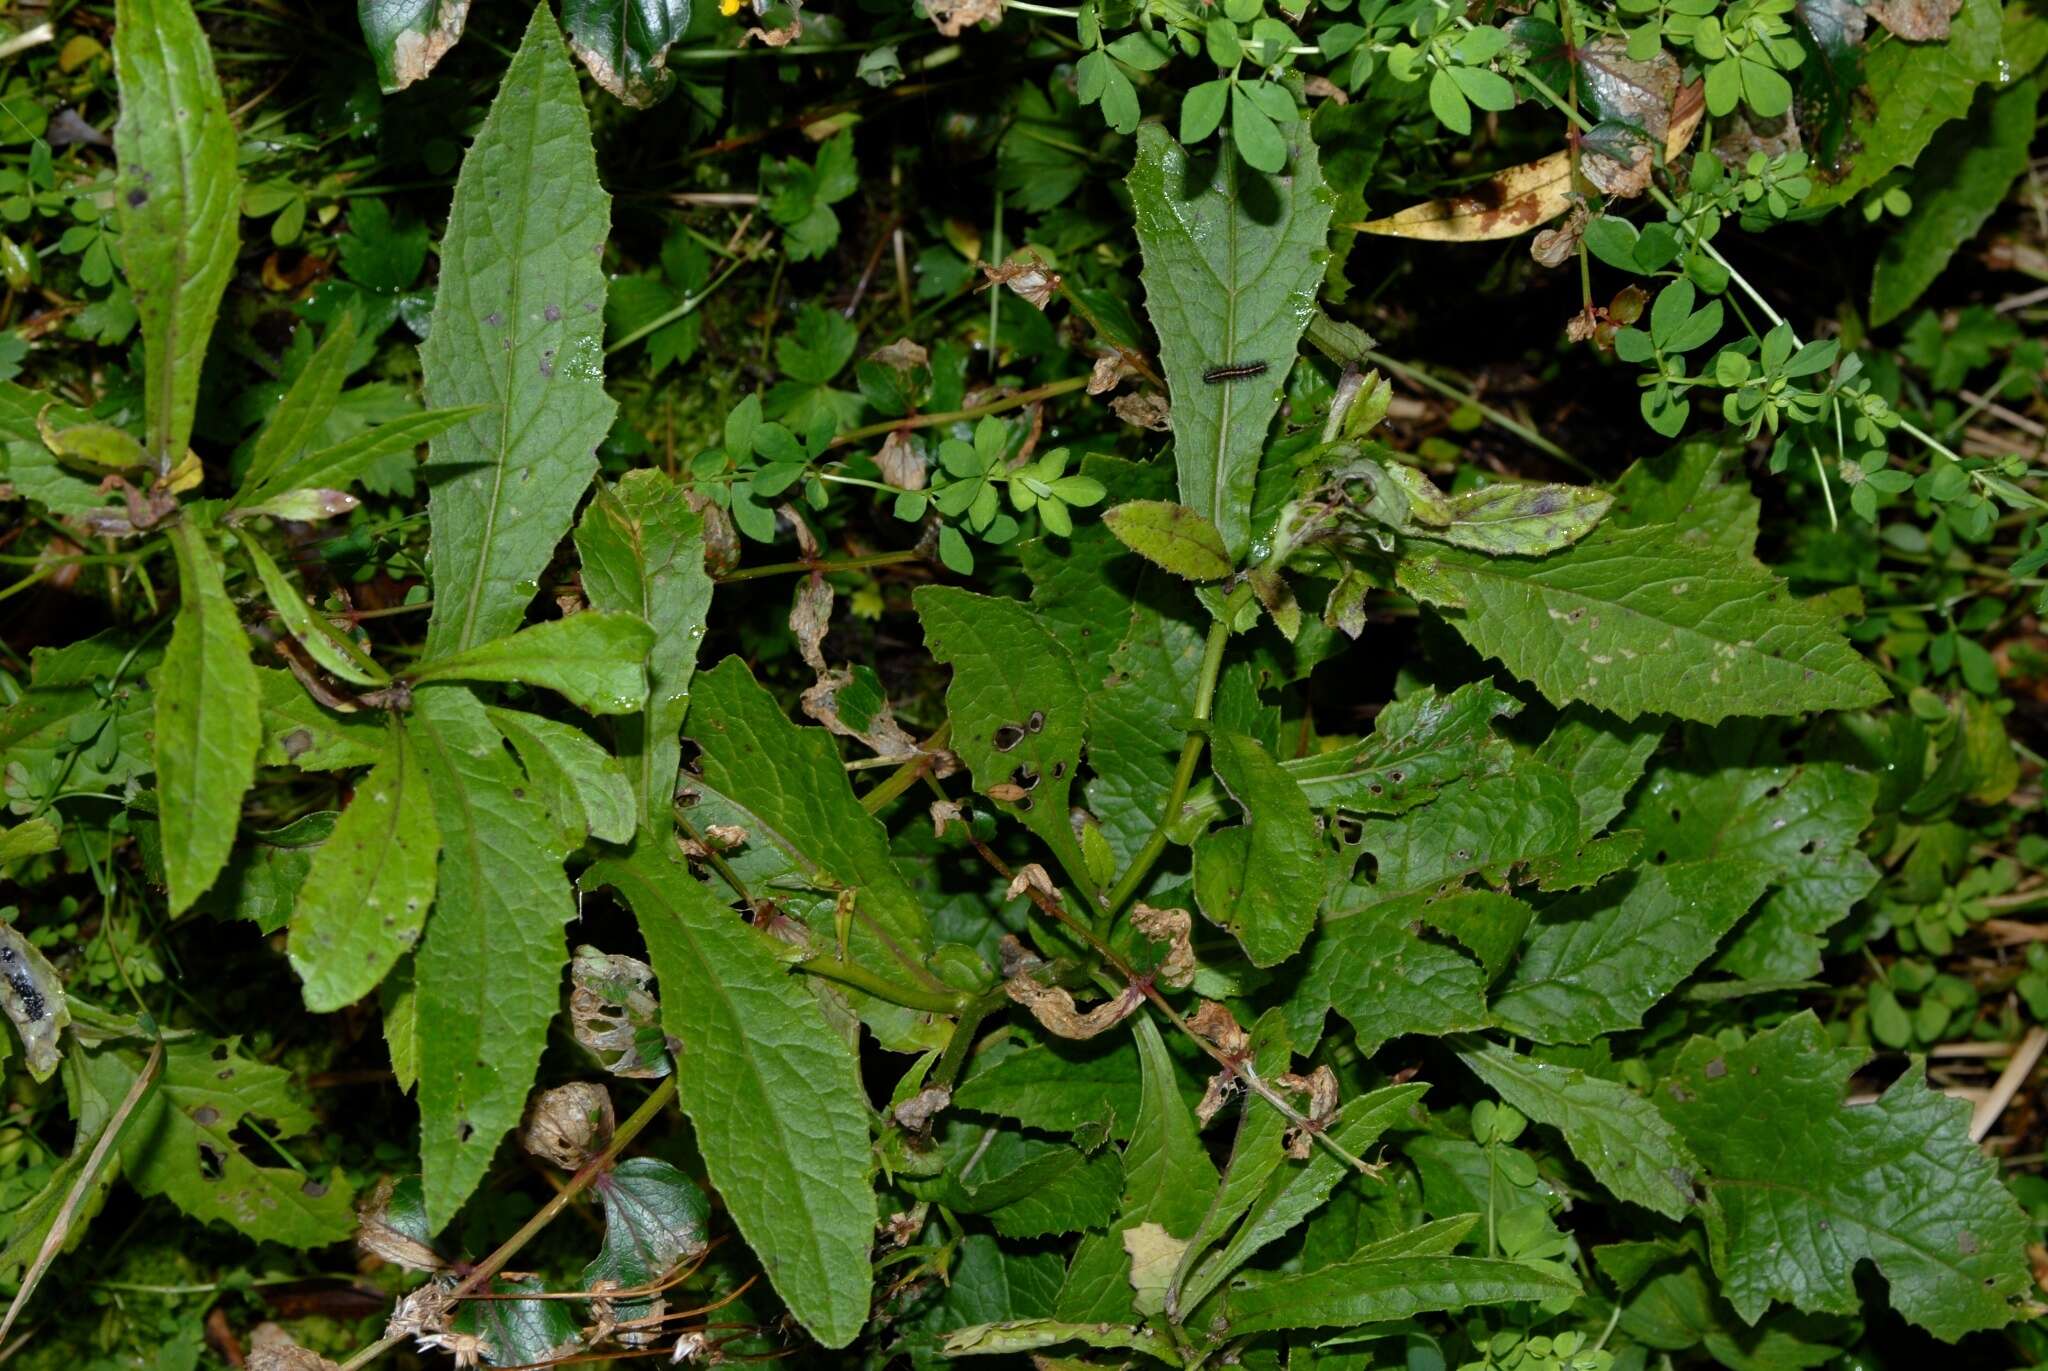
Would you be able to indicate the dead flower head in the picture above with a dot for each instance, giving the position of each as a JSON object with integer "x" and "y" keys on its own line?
{"x": 1320, "y": 1085}
{"x": 1172, "y": 927}
{"x": 1028, "y": 274}
{"x": 569, "y": 1125}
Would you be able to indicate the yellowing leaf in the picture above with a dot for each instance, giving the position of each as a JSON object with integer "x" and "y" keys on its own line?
{"x": 1516, "y": 200}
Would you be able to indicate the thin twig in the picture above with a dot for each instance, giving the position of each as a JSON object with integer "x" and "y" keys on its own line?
{"x": 2007, "y": 1085}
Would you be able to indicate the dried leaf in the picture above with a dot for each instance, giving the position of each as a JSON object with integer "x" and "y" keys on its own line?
{"x": 1148, "y": 411}
{"x": 1030, "y": 876}
{"x": 33, "y": 998}
{"x": 1629, "y": 91}
{"x": 945, "y": 812}
{"x": 1320, "y": 1086}
{"x": 872, "y": 722}
{"x": 810, "y": 617}
{"x": 1169, "y": 926}
{"x": 1919, "y": 21}
{"x": 1516, "y": 200}
{"x": 1028, "y": 275}
{"x": 614, "y": 1014}
{"x": 392, "y": 1226}
{"x": 1554, "y": 247}
{"x": 902, "y": 355}
{"x": 273, "y": 1349}
{"x": 1214, "y": 1023}
{"x": 1055, "y": 1009}
{"x": 901, "y": 461}
{"x": 952, "y": 16}
{"x": 916, "y": 1113}
{"x": 569, "y": 1124}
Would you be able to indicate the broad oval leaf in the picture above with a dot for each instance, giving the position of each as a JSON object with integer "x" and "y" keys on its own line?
{"x": 1170, "y": 536}
{"x": 407, "y": 38}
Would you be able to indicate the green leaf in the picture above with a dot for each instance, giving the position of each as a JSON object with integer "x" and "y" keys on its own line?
{"x": 770, "y": 1090}
{"x": 1489, "y": 825}
{"x": 1802, "y": 822}
{"x": 488, "y": 977}
{"x": 323, "y": 644}
{"x": 786, "y": 786}
{"x": 1253, "y": 133}
{"x": 1616, "y": 1133}
{"x": 1912, "y": 89}
{"x": 1447, "y": 103}
{"x": 1019, "y": 713}
{"x": 654, "y": 1218}
{"x": 1059, "y": 1086}
{"x": 642, "y": 550}
{"x": 304, "y": 409}
{"x": 207, "y": 729}
{"x": 1697, "y": 489}
{"x": 1382, "y": 1289}
{"x": 343, "y": 464}
{"x": 1232, "y": 259}
{"x": 369, "y": 885}
{"x": 518, "y": 329}
{"x": 991, "y": 1283}
{"x": 1030, "y": 1187}
{"x": 408, "y": 37}
{"x": 581, "y": 784}
{"x": 181, "y": 1142}
{"x": 1263, "y": 879}
{"x": 1517, "y": 520}
{"x": 624, "y": 44}
{"x": 1597, "y": 961}
{"x": 1201, "y": 111}
{"x": 1011, "y": 1338}
{"x": 519, "y": 1332}
{"x": 177, "y": 196}
{"x": 1808, "y": 1188}
{"x": 1385, "y": 980}
{"x": 262, "y": 880}
{"x": 1635, "y": 623}
{"x": 1964, "y": 177}
{"x": 596, "y": 660}
{"x": 31, "y": 992}
{"x": 1170, "y": 536}
{"x": 1168, "y": 1179}
{"x": 1256, "y": 1153}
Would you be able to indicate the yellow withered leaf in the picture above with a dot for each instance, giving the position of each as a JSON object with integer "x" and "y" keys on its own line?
{"x": 1518, "y": 199}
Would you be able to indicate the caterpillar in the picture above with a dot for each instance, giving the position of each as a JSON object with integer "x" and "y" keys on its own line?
{"x": 1235, "y": 371}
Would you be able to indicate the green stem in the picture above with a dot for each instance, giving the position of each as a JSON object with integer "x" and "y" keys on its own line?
{"x": 906, "y": 776}
{"x": 955, "y": 1055}
{"x": 1190, "y": 753}
{"x": 844, "y": 564}
{"x": 577, "y": 1184}
{"x": 687, "y": 307}
{"x": 1494, "y": 416}
{"x": 1008, "y": 402}
{"x": 866, "y": 981}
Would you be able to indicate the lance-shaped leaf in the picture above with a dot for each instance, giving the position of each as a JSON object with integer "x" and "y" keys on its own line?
{"x": 596, "y": 659}
{"x": 624, "y": 43}
{"x": 488, "y": 977}
{"x": 1262, "y": 879}
{"x": 304, "y": 408}
{"x": 1170, "y": 536}
{"x": 1019, "y": 713}
{"x": 1168, "y": 1181}
{"x": 1380, "y": 1289}
{"x": 1635, "y": 623}
{"x": 1506, "y": 520}
{"x": 369, "y": 885}
{"x": 339, "y": 466}
{"x": 769, "y": 1088}
{"x": 786, "y": 787}
{"x": 581, "y": 784}
{"x": 408, "y": 37}
{"x": 1627, "y": 1145}
{"x": 642, "y": 549}
{"x": 518, "y": 328}
{"x": 323, "y": 644}
{"x": 1809, "y": 1188}
{"x": 1232, "y": 258}
{"x": 207, "y": 727}
{"x": 182, "y": 1143}
{"x": 1059, "y": 1086}
{"x": 178, "y": 201}
{"x": 1597, "y": 961}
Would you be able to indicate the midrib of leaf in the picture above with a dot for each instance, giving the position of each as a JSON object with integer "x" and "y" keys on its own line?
{"x": 509, "y": 359}
{"x": 1218, "y": 486}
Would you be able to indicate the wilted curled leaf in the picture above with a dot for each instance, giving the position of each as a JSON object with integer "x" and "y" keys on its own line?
{"x": 34, "y": 998}
{"x": 1055, "y": 1008}
{"x": 568, "y": 1125}
{"x": 391, "y": 1224}
{"x": 1111, "y": 368}
{"x": 1221, "y": 1090}
{"x": 951, "y": 16}
{"x": 901, "y": 355}
{"x": 1215, "y": 1024}
{"x": 850, "y": 702}
{"x": 916, "y": 1113}
{"x": 614, "y": 1014}
{"x": 1030, "y": 876}
{"x": 273, "y": 1349}
{"x": 1554, "y": 247}
{"x": 810, "y": 618}
{"x": 1169, "y": 926}
{"x": 1918, "y": 21}
{"x": 425, "y": 1310}
{"x": 1516, "y": 200}
{"x": 945, "y": 812}
{"x": 1320, "y": 1086}
{"x": 1148, "y": 410}
{"x": 1028, "y": 275}
{"x": 901, "y": 462}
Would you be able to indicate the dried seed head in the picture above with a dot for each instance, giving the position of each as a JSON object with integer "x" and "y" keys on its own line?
{"x": 568, "y": 1125}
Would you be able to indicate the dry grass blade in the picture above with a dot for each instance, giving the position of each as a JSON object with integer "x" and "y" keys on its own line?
{"x": 1515, "y": 201}
{"x": 60, "y": 1227}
